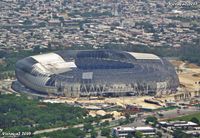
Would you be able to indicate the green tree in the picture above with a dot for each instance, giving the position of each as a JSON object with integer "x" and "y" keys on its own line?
{"x": 16, "y": 112}
{"x": 3, "y": 53}
{"x": 104, "y": 124}
{"x": 195, "y": 120}
{"x": 37, "y": 49}
{"x": 94, "y": 134}
{"x": 88, "y": 127}
{"x": 105, "y": 132}
{"x": 129, "y": 135}
{"x": 138, "y": 134}
{"x": 179, "y": 134}
{"x": 152, "y": 119}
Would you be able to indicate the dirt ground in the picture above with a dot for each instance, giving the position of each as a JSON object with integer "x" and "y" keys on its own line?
{"x": 189, "y": 75}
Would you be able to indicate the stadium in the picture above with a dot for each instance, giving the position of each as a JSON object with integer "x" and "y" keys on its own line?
{"x": 74, "y": 73}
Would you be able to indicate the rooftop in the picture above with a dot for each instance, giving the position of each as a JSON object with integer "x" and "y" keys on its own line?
{"x": 144, "y": 56}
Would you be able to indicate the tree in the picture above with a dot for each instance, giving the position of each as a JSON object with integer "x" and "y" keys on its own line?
{"x": 94, "y": 134}
{"x": 132, "y": 119}
{"x": 17, "y": 114}
{"x": 105, "y": 132}
{"x": 87, "y": 127}
{"x": 129, "y": 135}
{"x": 127, "y": 115}
{"x": 27, "y": 22}
{"x": 104, "y": 124}
{"x": 37, "y": 49}
{"x": 195, "y": 120}
{"x": 42, "y": 24}
{"x": 3, "y": 53}
{"x": 49, "y": 46}
{"x": 179, "y": 134}
{"x": 159, "y": 134}
{"x": 138, "y": 134}
{"x": 152, "y": 119}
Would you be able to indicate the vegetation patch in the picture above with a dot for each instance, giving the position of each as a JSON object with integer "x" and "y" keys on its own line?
{"x": 17, "y": 113}
{"x": 188, "y": 117}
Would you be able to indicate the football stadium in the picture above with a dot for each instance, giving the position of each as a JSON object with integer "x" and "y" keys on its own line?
{"x": 74, "y": 73}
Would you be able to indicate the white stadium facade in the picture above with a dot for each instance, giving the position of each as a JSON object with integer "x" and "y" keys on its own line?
{"x": 76, "y": 73}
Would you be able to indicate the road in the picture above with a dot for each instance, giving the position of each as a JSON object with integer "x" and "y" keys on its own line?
{"x": 139, "y": 121}
{"x": 55, "y": 129}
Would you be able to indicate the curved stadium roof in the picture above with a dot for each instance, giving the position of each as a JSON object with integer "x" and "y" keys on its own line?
{"x": 52, "y": 72}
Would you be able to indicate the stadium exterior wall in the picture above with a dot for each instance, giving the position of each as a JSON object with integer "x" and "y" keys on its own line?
{"x": 97, "y": 72}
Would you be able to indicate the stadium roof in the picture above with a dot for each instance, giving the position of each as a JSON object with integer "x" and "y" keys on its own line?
{"x": 52, "y": 62}
{"x": 46, "y": 58}
{"x": 144, "y": 56}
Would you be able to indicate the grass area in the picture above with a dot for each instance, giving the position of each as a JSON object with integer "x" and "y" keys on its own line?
{"x": 187, "y": 117}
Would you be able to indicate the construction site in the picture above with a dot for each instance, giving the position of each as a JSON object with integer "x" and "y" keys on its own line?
{"x": 188, "y": 91}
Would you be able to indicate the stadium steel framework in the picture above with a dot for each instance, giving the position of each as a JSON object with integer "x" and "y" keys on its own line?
{"x": 97, "y": 72}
